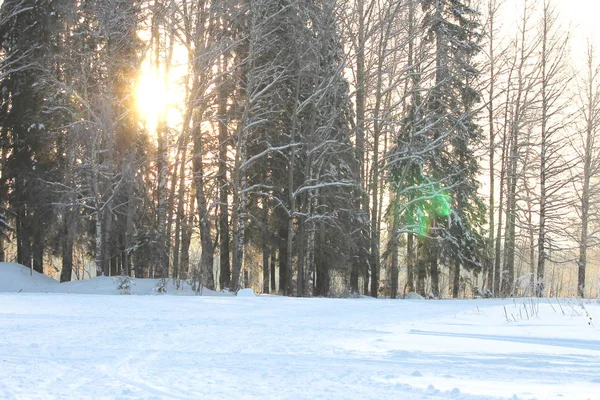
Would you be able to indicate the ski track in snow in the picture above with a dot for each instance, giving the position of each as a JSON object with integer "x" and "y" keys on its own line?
{"x": 55, "y": 346}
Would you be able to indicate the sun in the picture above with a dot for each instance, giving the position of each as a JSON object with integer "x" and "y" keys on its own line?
{"x": 152, "y": 97}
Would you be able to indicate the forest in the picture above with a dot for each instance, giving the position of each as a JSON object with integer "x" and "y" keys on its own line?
{"x": 302, "y": 147}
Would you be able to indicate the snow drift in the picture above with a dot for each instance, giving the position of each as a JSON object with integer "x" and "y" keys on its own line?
{"x": 18, "y": 278}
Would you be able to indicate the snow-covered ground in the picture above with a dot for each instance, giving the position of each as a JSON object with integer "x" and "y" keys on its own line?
{"x": 77, "y": 346}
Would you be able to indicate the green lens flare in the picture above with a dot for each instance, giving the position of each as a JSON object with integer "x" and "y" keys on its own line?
{"x": 441, "y": 205}
{"x": 436, "y": 205}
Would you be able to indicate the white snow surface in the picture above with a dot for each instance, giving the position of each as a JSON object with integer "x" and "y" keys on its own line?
{"x": 87, "y": 346}
{"x": 246, "y": 293}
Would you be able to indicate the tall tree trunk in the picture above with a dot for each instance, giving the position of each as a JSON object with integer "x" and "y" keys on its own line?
{"x": 206, "y": 241}
{"x": 492, "y": 143}
{"x": 180, "y": 212}
{"x": 411, "y": 259}
{"x": 543, "y": 160}
{"x": 23, "y": 231}
{"x": 508, "y": 276}
{"x": 355, "y": 270}
{"x": 374, "y": 259}
{"x": 531, "y": 247}
{"x": 106, "y": 240}
{"x": 360, "y": 264}
{"x": 239, "y": 211}
{"x": 129, "y": 220}
{"x": 224, "y": 256}
{"x": 69, "y": 224}
{"x": 162, "y": 156}
{"x": 520, "y": 105}
{"x": 591, "y": 119}
{"x": 323, "y": 282}
{"x": 497, "y": 288}
{"x": 38, "y": 245}
{"x": 266, "y": 250}
{"x": 289, "y": 245}
{"x": 283, "y": 259}
{"x": 411, "y": 246}
{"x": 301, "y": 255}
{"x": 162, "y": 259}
{"x": 456, "y": 279}
{"x": 291, "y": 193}
{"x": 99, "y": 256}
{"x": 272, "y": 269}
{"x": 186, "y": 239}
{"x": 171, "y": 213}
{"x": 394, "y": 248}
{"x": 434, "y": 273}
{"x": 114, "y": 261}
{"x": 422, "y": 259}
{"x": 311, "y": 245}
{"x": 583, "y": 241}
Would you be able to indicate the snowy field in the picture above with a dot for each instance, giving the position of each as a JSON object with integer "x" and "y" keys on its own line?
{"x": 80, "y": 346}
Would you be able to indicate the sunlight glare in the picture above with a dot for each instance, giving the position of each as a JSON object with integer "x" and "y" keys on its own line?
{"x": 152, "y": 96}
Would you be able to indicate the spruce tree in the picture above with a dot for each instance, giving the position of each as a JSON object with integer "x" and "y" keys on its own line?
{"x": 433, "y": 164}
{"x": 25, "y": 121}
{"x": 452, "y": 26}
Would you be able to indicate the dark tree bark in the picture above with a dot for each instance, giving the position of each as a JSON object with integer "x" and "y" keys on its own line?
{"x": 223, "y": 217}
{"x": 206, "y": 241}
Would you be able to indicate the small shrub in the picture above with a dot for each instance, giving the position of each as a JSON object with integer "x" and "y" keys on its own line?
{"x": 483, "y": 293}
{"x": 124, "y": 284}
{"x": 161, "y": 286}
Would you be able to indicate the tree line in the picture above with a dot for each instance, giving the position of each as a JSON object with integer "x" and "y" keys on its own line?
{"x": 321, "y": 147}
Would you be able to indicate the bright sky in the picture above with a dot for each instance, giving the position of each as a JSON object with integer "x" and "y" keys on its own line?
{"x": 582, "y": 12}
{"x": 583, "y": 15}
{"x": 578, "y": 18}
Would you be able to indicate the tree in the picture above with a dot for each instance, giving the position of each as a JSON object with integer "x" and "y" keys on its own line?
{"x": 452, "y": 26}
{"x": 521, "y": 103}
{"x": 405, "y": 160}
{"x": 494, "y": 64}
{"x": 358, "y": 20}
{"x": 553, "y": 167}
{"x": 587, "y": 184}
{"x": 293, "y": 140}
{"x": 26, "y": 42}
